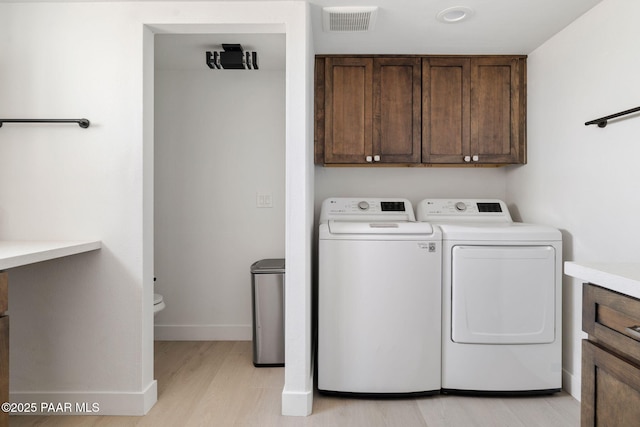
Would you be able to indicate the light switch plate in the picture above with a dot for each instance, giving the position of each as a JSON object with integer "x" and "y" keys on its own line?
{"x": 264, "y": 200}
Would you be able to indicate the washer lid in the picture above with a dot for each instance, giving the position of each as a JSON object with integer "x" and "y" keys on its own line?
{"x": 379, "y": 227}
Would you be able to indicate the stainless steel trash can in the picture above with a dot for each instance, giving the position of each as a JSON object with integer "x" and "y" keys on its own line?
{"x": 267, "y": 295}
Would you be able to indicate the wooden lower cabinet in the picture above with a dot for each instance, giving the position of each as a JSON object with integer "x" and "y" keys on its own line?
{"x": 610, "y": 389}
{"x": 610, "y": 359}
{"x": 4, "y": 347}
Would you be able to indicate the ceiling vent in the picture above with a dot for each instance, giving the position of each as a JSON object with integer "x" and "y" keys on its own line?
{"x": 349, "y": 18}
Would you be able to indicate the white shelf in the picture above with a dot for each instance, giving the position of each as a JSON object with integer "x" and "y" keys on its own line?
{"x": 622, "y": 277}
{"x": 18, "y": 253}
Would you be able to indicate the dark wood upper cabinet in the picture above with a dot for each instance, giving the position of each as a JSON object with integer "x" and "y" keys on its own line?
{"x": 368, "y": 110}
{"x": 417, "y": 109}
{"x": 498, "y": 110}
{"x": 396, "y": 107}
{"x": 348, "y": 110}
{"x": 445, "y": 109}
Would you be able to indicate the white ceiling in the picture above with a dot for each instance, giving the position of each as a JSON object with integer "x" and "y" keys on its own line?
{"x": 402, "y": 27}
{"x": 410, "y": 26}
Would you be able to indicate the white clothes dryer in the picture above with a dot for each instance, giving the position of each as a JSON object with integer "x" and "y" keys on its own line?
{"x": 379, "y": 297}
{"x": 502, "y": 299}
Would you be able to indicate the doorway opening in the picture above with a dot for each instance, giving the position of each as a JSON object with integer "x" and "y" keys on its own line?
{"x": 219, "y": 181}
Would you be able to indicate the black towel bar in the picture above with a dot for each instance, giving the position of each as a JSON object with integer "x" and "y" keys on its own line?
{"x": 602, "y": 121}
{"x": 83, "y": 123}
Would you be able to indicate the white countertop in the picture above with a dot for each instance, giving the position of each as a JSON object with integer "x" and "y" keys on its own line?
{"x": 623, "y": 277}
{"x": 17, "y": 253}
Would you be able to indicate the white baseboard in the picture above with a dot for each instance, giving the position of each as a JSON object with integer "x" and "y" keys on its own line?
{"x": 85, "y": 403}
{"x": 297, "y": 403}
{"x": 571, "y": 384}
{"x": 203, "y": 332}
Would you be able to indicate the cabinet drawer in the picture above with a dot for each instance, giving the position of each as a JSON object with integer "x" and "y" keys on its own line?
{"x": 610, "y": 389}
{"x": 612, "y": 319}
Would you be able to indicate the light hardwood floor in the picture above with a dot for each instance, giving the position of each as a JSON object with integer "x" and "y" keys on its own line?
{"x": 214, "y": 383}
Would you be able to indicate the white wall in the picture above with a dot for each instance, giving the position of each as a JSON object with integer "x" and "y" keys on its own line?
{"x": 297, "y": 396}
{"x": 414, "y": 184}
{"x": 82, "y": 329}
{"x": 219, "y": 140}
{"x": 584, "y": 179}
{"x": 77, "y": 325}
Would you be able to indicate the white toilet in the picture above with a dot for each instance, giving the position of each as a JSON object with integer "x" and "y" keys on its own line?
{"x": 158, "y": 301}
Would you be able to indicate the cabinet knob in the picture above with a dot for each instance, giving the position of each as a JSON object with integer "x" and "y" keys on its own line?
{"x": 369, "y": 159}
{"x": 475, "y": 158}
{"x": 376, "y": 158}
{"x": 467, "y": 158}
{"x": 634, "y": 330}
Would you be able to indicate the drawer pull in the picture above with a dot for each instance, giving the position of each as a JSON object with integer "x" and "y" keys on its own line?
{"x": 634, "y": 330}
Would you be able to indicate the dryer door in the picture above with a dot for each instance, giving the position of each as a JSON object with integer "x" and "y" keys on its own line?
{"x": 503, "y": 294}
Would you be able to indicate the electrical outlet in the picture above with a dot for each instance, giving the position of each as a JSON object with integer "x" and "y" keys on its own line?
{"x": 264, "y": 200}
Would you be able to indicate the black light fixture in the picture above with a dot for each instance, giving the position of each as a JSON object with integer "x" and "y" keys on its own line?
{"x": 232, "y": 58}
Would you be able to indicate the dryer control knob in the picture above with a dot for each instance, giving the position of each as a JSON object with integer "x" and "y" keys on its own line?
{"x": 363, "y": 205}
{"x": 461, "y": 207}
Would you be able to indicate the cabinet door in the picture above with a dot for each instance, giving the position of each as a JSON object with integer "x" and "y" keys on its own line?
{"x": 497, "y": 110}
{"x": 396, "y": 105}
{"x": 445, "y": 109}
{"x": 610, "y": 389}
{"x": 4, "y": 367}
{"x": 4, "y": 346}
{"x": 348, "y": 109}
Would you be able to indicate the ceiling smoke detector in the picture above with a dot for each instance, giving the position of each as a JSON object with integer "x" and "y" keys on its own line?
{"x": 455, "y": 14}
{"x": 349, "y": 18}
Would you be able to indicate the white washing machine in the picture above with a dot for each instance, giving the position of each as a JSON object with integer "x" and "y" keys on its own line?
{"x": 501, "y": 306}
{"x": 379, "y": 296}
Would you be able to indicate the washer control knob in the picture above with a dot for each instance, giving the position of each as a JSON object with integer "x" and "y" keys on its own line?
{"x": 461, "y": 207}
{"x": 363, "y": 206}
